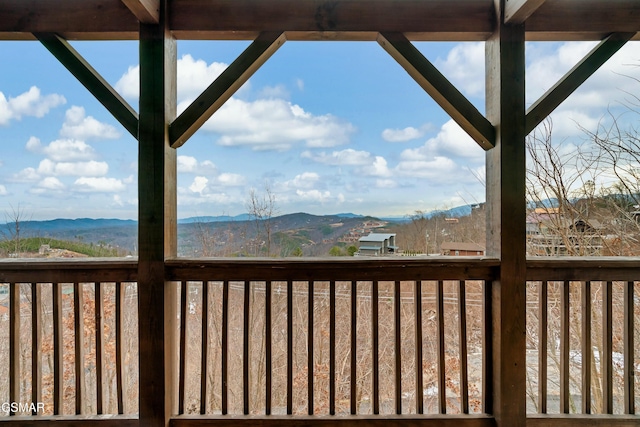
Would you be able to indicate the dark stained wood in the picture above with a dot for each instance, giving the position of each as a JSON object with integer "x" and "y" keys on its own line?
{"x": 341, "y": 421}
{"x": 182, "y": 377}
{"x": 246, "y": 344}
{"x": 397, "y": 311}
{"x": 375, "y": 353}
{"x": 120, "y": 383}
{"x": 157, "y": 224}
{"x": 14, "y": 343}
{"x": 565, "y": 348}
{"x": 586, "y": 347}
{"x": 346, "y": 268}
{"x": 354, "y": 359}
{"x": 439, "y": 88}
{"x": 310, "y": 292}
{"x": 442, "y": 379}
{"x": 629, "y": 349}
{"x": 289, "y": 347}
{"x": 36, "y": 343}
{"x": 78, "y": 333}
{"x": 58, "y": 350}
{"x": 517, "y": 11}
{"x": 572, "y": 80}
{"x": 92, "y": 80}
{"x": 582, "y": 268}
{"x": 606, "y": 361}
{"x": 462, "y": 345}
{"x": 224, "y": 364}
{"x": 332, "y": 347}
{"x": 268, "y": 348}
{"x": 543, "y": 338}
{"x": 417, "y": 300}
{"x": 99, "y": 325}
{"x": 67, "y": 271}
{"x": 227, "y": 83}
{"x": 506, "y": 217}
{"x": 146, "y": 11}
{"x": 204, "y": 365}
{"x": 591, "y": 420}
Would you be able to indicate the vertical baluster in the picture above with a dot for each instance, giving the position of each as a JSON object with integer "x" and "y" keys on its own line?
{"x": 183, "y": 344}
{"x": 375, "y": 347}
{"x": 586, "y": 348}
{"x": 99, "y": 323}
{"x": 462, "y": 336}
{"x": 268, "y": 344}
{"x": 246, "y": 343}
{"x": 78, "y": 316}
{"x": 398, "y": 346}
{"x": 564, "y": 348}
{"x": 332, "y": 347}
{"x": 289, "y": 347}
{"x": 204, "y": 370}
{"x": 442, "y": 385}
{"x": 607, "y": 349}
{"x": 417, "y": 298}
{"x": 120, "y": 383}
{"x": 310, "y": 347}
{"x": 543, "y": 304}
{"x": 354, "y": 337}
{"x": 36, "y": 344}
{"x": 487, "y": 347}
{"x": 58, "y": 349}
{"x": 629, "y": 356}
{"x": 225, "y": 348}
{"x": 14, "y": 344}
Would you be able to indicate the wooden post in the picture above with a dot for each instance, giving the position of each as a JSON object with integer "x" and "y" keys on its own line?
{"x": 505, "y": 72}
{"x": 157, "y": 222}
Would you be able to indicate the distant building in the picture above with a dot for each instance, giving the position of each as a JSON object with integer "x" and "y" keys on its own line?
{"x": 461, "y": 249}
{"x": 377, "y": 244}
{"x": 551, "y": 234}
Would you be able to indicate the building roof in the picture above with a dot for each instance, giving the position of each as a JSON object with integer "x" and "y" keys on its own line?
{"x": 376, "y": 237}
{"x": 461, "y": 246}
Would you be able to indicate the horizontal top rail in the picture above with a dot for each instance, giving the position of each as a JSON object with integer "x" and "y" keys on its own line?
{"x": 68, "y": 270}
{"x": 319, "y": 269}
{"x": 583, "y": 268}
{"x": 420, "y": 20}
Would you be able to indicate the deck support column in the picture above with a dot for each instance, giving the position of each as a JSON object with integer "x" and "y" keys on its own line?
{"x": 506, "y": 212}
{"x": 157, "y": 222}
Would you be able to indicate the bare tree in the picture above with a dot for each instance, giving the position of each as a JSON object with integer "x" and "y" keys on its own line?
{"x": 262, "y": 208}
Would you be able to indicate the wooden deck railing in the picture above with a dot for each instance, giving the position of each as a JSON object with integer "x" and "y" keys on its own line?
{"x": 315, "y": 342}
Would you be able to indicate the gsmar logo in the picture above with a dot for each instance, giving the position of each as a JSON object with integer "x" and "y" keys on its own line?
{"x": 15, "y": 407}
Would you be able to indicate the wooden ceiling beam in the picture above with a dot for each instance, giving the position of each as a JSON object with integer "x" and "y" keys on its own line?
{"x": 92, "y": 80}
{"x": 571, "y": 81}
{"x": 227, "y": 83}
{"x": 440, "y": 89}
{"x": 517, "y": 11}
{"x": 147, "y": 11}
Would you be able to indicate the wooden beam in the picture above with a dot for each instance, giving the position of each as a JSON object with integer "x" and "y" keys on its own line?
{"x": 157, "y": 219}
{"x": 440, "y": 89}
{"x": 224, "y": 87}
{"x": 506, "y": 212}
{"x": 92, "y": 80}
{"x": 147, "y": 11}
{"x": 574, "y": 78}
{"x": 517, "y": 11}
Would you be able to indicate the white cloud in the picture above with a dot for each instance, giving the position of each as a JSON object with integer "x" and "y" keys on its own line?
{"x": 189, "y": 164}
{"x": 62, "y": 149}
{"x": 3, "y": 190}
{"x": 199, "y": 184}
{"x": 464, "y": 66}
{"x": 51, "y": 183}
{"x": 451, "y": 141}
{"x": 386, "y": 183}
{"x": 275, "y": 124}
{"x": 26, "y": 175}
{"x": 438, "y": 169}
{"x": 314, "y": 195}
{"x": 31, "y": 103}
{"x": 305, "y": 180}
{"x": 78, "y": 126}
{"x": 91, "y": 168}
{"x": 402, "y": 135}
{"x": 193, "y": 76}
{"x": 231, "y": 180}
{"x": 348, "y": 156}
{"x": 99, "y": 185}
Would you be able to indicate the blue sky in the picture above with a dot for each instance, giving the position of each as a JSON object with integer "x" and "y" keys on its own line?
{"x": 329, "y": 127}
